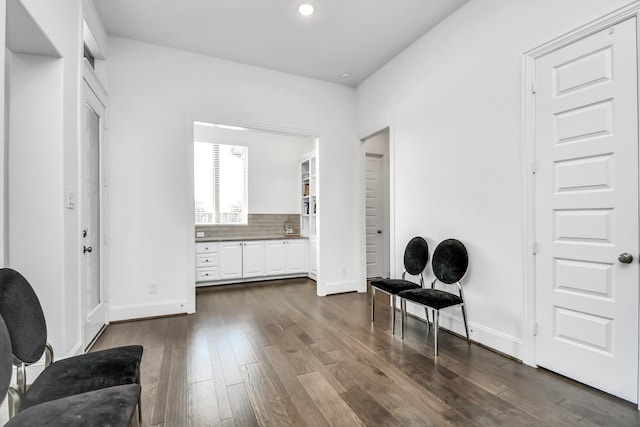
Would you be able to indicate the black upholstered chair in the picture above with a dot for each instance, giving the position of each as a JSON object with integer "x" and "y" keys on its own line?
{"x": 24, "y": 318}
{"x": 416, "y": 256}
{"x": 112, "y": 406}
{"x": 449, "y": 263}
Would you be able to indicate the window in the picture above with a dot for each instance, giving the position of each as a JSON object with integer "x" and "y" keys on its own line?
{"x": 220, "y": 183}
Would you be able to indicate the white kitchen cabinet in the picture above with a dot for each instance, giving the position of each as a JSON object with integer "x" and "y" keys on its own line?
{"x": 253, "y": 258}
{"x": 237, "y": 261}
{"x": 295, "y": 256}
{"x": 286, "y": 257}
{"x": 206, "y": 261}
{"x": 230, "y": 260}
{"x": 274, "y": 263}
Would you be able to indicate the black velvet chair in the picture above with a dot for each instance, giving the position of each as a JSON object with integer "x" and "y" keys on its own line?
{"x": 416, "y": 257}
{"x": 112, "y": 406}
{"x": 24, "y": 318}
{"x": 449, "y": 263}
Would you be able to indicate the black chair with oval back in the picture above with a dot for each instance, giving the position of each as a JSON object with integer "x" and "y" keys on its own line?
{"x": 25, "y": 322}
{"x": 449, "y": 263}
{"x": 416, "y": 257}
{"x": 108, "y": 407}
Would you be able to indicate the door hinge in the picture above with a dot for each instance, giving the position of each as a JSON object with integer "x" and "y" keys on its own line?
{"x": 533, "y": 88}
{"x": 535, "y": 329}
{"x": 534, "y": 167}
{"x": 534, "y": 248}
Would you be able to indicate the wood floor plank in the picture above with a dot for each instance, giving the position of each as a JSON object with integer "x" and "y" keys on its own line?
{"x": 243, "y": 414}
{"x": 368, "y": 408}
{"x": 267, "y": 405}
{"x": 274, "y": 353}
{"x": 242, "y": 350}
{"x": 298, "y": 395}
{"x": 177, "y": 404}
{"x": 327, "y": 399}
{"x": 203, "y": 408}
{"x": 219, "y": 384}
{"x": 228, "y": 360}
{"x": 199, "y": 361}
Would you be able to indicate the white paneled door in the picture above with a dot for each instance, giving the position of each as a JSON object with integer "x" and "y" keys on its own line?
{"x": 94, "y": 302}
{"x": 586, "y": 210}
{"x": 373, "y": 210}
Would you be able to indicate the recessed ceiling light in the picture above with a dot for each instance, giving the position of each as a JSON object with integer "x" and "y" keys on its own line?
{"x": 306, "y": 9}
{"x": 345, "y": 75}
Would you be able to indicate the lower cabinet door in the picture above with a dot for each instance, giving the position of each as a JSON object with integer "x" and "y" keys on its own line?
{"x": 296, "y": 256}
{"x": 253, "y": 258}
{"x": 230, "y": 260}
{"x": 274, "y": 263}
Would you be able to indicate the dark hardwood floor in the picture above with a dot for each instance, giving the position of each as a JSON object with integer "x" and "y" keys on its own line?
{"x": 275, "y": 354}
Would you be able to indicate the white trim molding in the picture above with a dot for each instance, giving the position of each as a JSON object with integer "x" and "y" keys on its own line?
{"x": 142, "y": 311}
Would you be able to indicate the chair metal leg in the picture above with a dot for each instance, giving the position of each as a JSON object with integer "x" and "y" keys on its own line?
{"x": 373, "y": 302}
{"x": 403, "y": 314}
{"x": 393, "y": 315}
{"x": 426, "y": 315}
{"x": 464, "y": 317}
{"x": 135, "y": 419}
{"x": 139, "y": 401}
{"x": 436, "y": 320}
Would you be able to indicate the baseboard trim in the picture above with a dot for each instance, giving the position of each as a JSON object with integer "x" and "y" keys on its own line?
{"x": 340, "y": 287}
{"x": 138, "y": 311}
{"x": 490, "y": 338}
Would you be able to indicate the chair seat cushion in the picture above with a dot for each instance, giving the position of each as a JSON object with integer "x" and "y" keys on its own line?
{"x": 87, "y": 372}
{"x": 113, "y": 406}
{"x": 394, "y": 286}
{"x": 432, "y": 298}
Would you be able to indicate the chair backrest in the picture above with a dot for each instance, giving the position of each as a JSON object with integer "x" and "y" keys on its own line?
{"x": 450, "y": 261}
{"x": 416, "y": 256}
{"x": 6, "y": 365}
{"x": 23, "y": 316}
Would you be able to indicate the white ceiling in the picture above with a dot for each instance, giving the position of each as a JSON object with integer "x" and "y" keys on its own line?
{"x": 354, "y": 36}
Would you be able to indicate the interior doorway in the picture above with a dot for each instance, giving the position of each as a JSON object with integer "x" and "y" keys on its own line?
{"x": 376, "y": 204}
{"x": 94, "y": 301}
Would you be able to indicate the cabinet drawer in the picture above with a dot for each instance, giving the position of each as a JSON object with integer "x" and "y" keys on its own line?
{"x": 207, "y": 260}
{"x": 206, "y": 274}
{"x": 206, "y": 247}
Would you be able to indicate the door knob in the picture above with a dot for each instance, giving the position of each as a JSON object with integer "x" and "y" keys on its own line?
{"x": 625, "y": 258}
{"x": 86, "y": 249}
{"x": 379, "y": 231}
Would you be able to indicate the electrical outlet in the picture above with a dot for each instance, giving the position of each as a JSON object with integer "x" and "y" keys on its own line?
{"x": 153, "y": 288}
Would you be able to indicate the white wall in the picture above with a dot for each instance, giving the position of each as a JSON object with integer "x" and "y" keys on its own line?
{"x": 152, "y": 91}
{"x": 43, "y": 100}
{"x": 455, "y": 98}
{"x": 274, "y": 169}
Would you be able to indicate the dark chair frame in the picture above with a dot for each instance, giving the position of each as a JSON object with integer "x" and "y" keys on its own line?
{"x": 416, "y": 258}
{"x": 26, "y": 325}
{"x": 449, "y": 263}
{"x": 111, "y": 406}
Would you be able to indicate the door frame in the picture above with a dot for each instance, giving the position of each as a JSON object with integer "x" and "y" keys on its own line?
{"x": 190, "y": 243}
{"x": 362, "y": 137}
{"x": 93, "y": 83}
{"x": 528, "y": 136}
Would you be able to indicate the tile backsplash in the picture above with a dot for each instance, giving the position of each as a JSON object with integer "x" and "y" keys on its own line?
{"x": 260, "y": 226}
